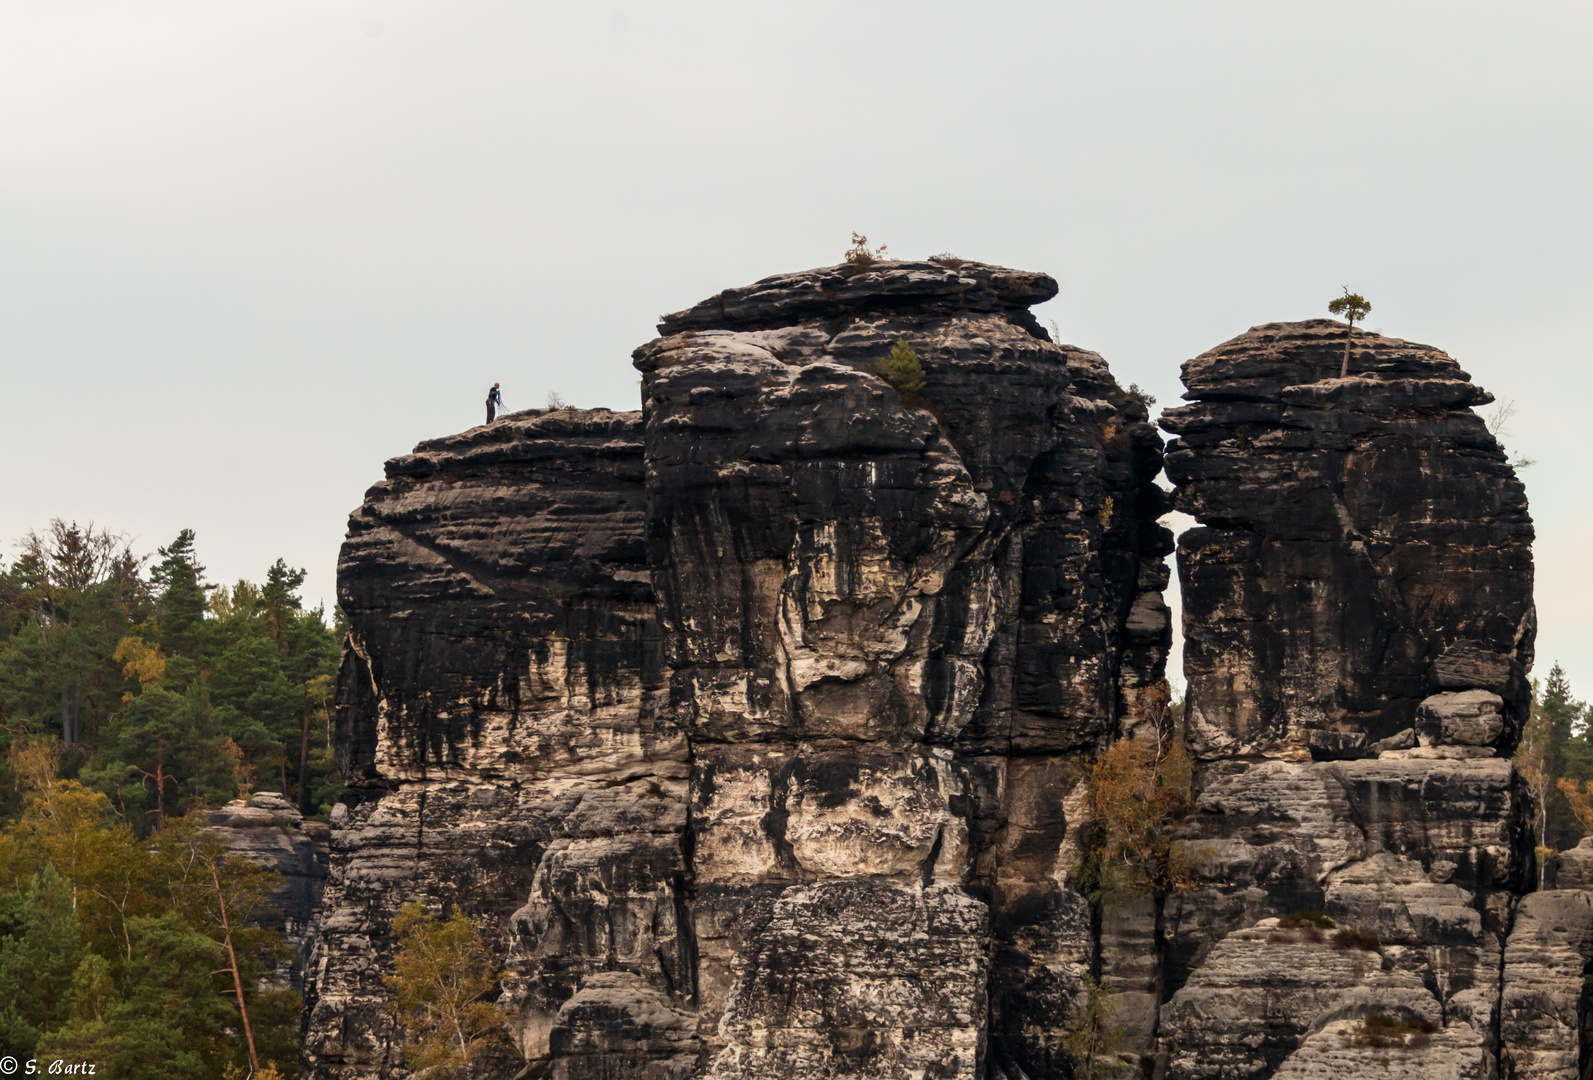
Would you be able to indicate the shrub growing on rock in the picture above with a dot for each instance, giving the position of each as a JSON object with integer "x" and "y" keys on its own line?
{"x": 1090, "y": 1035}
{"x": 861, "y": 255}
{"x": 1310, "y": 924}
{"x": 440, "y": 983}
{"x": 901, "y": 368}
{"x": 1357, "y": 939}
{"x": 1139, "y": 791}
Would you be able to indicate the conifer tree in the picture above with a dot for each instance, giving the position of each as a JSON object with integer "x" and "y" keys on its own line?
{"x": 1353, "y": 307}
{"x": 181, "y": 601}
{"x": 902, "y": 369}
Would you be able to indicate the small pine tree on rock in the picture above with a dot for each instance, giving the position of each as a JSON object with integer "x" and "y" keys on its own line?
{"x": 1353, "y": 307}
{"x": 901, "y": 368}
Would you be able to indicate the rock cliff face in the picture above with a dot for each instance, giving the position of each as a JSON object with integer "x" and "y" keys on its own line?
{"x": 752, "y": 728}
{"x": 1366, "y": 551}
{"x": 740, "y": 723}
{"x": 500, "y": 715}
{"x": 1358, "y": 613}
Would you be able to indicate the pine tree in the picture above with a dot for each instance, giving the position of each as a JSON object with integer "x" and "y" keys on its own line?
{"x": 902, "y": 369}
{"x": 1354, "y": 308}
{"x": 181, "y": 602}
{"x": 38, "y": 954}
{"x": 280, "y": 596}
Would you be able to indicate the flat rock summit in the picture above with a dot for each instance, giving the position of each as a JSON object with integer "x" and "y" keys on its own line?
{"x": 762, "y": 731}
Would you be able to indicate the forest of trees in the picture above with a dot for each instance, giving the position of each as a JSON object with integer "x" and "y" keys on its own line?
{"x": 134, "y": 695}
{"x": 1556, "y": 754}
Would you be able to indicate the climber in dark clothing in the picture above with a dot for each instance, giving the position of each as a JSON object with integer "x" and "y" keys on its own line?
{"x": 494, "y": 402}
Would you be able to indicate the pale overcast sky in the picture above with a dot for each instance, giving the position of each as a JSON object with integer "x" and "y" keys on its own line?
{"x": 250, "y": 250}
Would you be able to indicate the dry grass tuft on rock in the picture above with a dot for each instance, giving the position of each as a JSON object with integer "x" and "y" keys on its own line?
{"x": 861, "y": 255}
{"x": 1306, "y": 924}
{"x": 1357, "y": 939}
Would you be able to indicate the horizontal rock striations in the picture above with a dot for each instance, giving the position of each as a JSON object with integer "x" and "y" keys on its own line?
{"x": 501, "y": 719}
{"x": 1358, "y": 618}
{"x": 752, "y": 729}
{"x": 896, "y": 622}
{"x": 269, "y": 830}
{"x": 740, "y": 725}
{"x": 1364, "y": 545}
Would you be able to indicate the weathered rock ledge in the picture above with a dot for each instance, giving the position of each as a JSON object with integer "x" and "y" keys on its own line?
{"x": 269, "y": 830}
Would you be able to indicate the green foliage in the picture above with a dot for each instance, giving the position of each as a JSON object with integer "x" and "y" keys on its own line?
{"x": 129, "y": 702}
{"x": 39, "y": 951}
{"x": 1090, "y": 1036}
{"x": 181, "y": 604}
{"x": 94, "y": 992}
{"x": 901, "y": 368}
{"x": 1555, "y": 758}
{"x": 440, "y": 979}
{"x": 175, "y": 692}
{"x": 71, "y": 596}
{"x": 116, "y": 941}
{"x": 1352, "y": 307}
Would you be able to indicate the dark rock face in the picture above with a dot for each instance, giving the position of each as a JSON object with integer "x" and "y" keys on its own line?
{"x": 894, "y": 623}
{"x": 752, "y": 728}
{"x": 1365, "y": 544}
{"x": 741, "y": 723}
{"x": 500, "y": 714}
{"x": 1358, "y": 613}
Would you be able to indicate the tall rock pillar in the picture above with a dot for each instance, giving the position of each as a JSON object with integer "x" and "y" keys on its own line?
{"x": 891, "y": 618}
{"x": 1358, "y": 617}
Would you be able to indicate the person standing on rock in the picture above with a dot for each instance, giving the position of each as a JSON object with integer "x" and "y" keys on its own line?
{"x": 494, "y": 402}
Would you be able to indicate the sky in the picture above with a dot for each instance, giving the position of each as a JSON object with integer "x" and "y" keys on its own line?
{"x": 248, "y": 251}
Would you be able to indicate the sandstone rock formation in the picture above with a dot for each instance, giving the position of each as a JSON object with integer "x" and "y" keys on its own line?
{"x": 751, "y": 728}
{"x": 1366, "y": 545}
{"x": 740, "y": 724}
{"x": 500, "y": 720}
{"x": 268, "y": 829}
{"x": 1358, "y": 613}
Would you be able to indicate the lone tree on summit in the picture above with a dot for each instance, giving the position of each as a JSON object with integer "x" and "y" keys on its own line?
{"x": 1353, "y": 307}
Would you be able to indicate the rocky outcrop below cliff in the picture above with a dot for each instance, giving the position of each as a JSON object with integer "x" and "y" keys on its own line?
{"x": 753, "y": 728}
{"x": 268, "y": 830}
